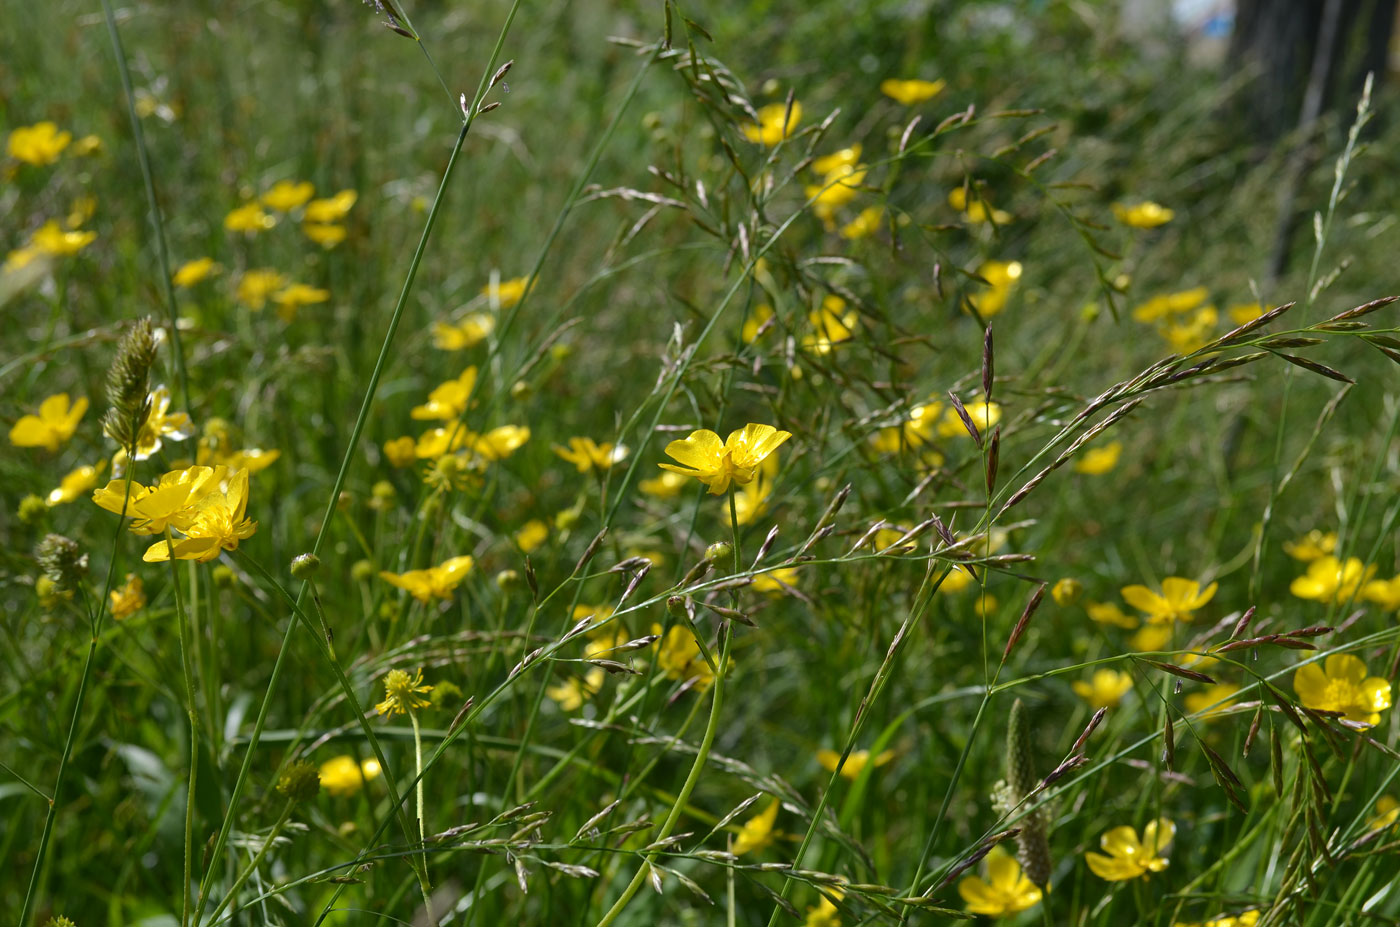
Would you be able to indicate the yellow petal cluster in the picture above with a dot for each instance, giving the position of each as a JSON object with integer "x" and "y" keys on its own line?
{"x": 718, "y": 463}
{"x": 1125, "y": 856}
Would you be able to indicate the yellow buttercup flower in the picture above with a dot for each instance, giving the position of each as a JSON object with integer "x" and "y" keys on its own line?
{"x": 911, "y": 92}
{"x": 531, "y": 535}
{"x": 255, "y": 286}
{"x": 437, "y": 582}
{"x": 1128, "y": 857}
{"x": 1105, "y": 689}
{"x": 678, "y": 656}
{"x": 866, "y": 223}
{"x": 192, "y": 272}
{"x": 1110, "y": 613}
{"x": 343, "y": 777}
{"x": 1097, "y": 461}
{"x": 500, "y": 442}
{"x": 775, "y": 582}
{"x": 1002, "y": 276}
{"x": 573, "y": 692}
{"x": 1383, "y": 592}
{"x": 56, "y": 422}
{"x": 447, "y": 401}
{"x": 1177, "y": 601}
{"x": 1144, "y": 215}
{"x": 216, "y": 524}
{"x": 586, "y": 454}
{"x": 51, "y": 238}
{"x": 327, "y": 235}
{"x": 1004, "y": 892}
{"x": 831, "y": 326}
{"x": 855, "y": 763}
{"x": 718, "y": 463}
{"x": 835, "y": 190}
{"x": 403, "y": 693}
{"x": 978, "y": 210}
{"x": 506, "y": 293}
{"x": 1241, "y": 313}
{"x": 824, "y": 914}
{"x": 216, "y": 449}
{"x": 1200, "y": 702}
{"x": 753, "y": 325}
{"x": 160, "y": 424}
{"x": 332, "y": 209}
{"x": 774, "y": 124}
{"x": 129, "y": 598}
{"x": 1330, "y": 580}
{"x": 171, "y": 503}
{"x": 39, "y": 144}
{"x": 250, "y": 218}
{"x": 287, "y": 195}
{"x": 1171, "y": 304}
{"x": 757, "y": 832}
{"x": 467, "y": 333}
{"x": 663, "y": 486}
{"x": 1066, "y": 591}
{"x": 290, "y": 299}
{"x": 1243, "y": 919}
{"x": 1341, "y": 685}
{"x": 837, "y": 160}
{"x": 1151, "y": 638}
{"x": 78, "y": 482}
{"x": 985, "y": 415}
{"x": 1312, "y": 545}
{"x": 401, "y": 452}
{"x": 1193, "y": 333}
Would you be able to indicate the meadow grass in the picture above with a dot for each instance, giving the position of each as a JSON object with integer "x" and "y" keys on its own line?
{"x": 1056, "y": 588}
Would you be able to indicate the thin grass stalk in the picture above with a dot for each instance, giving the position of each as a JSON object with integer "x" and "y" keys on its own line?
{"x": 192, "y": 710}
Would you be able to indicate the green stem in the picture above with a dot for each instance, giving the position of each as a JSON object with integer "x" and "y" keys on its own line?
{"x": 253, "y": 865}
{"x": 701, "y": 757}
{"x": 418, "y": 770}
{"x": 191, "y": 709}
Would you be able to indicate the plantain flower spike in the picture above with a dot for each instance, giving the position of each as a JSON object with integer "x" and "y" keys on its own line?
{"x": 1033, "y": 843}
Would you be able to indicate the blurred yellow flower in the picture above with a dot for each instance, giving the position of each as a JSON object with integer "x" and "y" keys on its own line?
{"x": 824, "y": 914}
{"x": 128, "y": 599}
{"x": 775, "y": 582}
{"x": 1177, "y": 601}
{"x": 1106, "y": 688}
{"x": 467, "y": 333}
{"x": 1312, "y": 545}
{"x": 39, "y": 144}
{"x": 837, "y": 160}
{"x": 760, "y": 314}
{"x": 757, "y": 832}
{"x": 751, "y": 500}
{"x": 403, "y": 693}
{"x": 1004, "y": 892}
{"x": 774, "y": 124}
{"x": 192, "y": 272}
{"x": 333, "y": 209}
{"x": 910, "y": 92}
{"x": 1144, "y": 215}
{"x": 1110, "y": 613}
{"x": 78, "y": 482}
{"x": 438, "y": 582}
{"x": 1241, "y": 313}
{"x": 1002, "y": 276}
{"x": 447, "y": 401}
{"x": 287, "y": 195}
{"x": 866, "y": 223}
{"x": 835, "y": 190}
{"x": 58, "y": 418}
{"x": 958, "y": 579}
{"x": 855, "y": 763}
{"x": 1128, "y": 857}
{"x": 1341, "y": 685}
{"x": 255, "y": 286}
{"x": 326, "y": 235}
{"x": 586, "y": 454}
{"x": 531, "y": 535}
{"x": 573, "y": 692}
{"x": 716, "y": 463}
{"x": 831, "y": 326}
{"x": 161, "y": 423}
{"x": 663, "y": 486}
{"x": 1383, "y": 592}
{"x": 1243, "y": 919}
{"x": 51, "y": 238}
{"x": 1151, "y": 638}
{"x": 1171, "y": 304}
{"x": 978, "y": 211}
{"x": 1191, "y": 334}
{"x": 1066, "y": 591}
{"x": 216, "y": 524}
{"x": 1199, "y": 702}
{"x": 1097, "y": 461}
{"x": 250, "y": 218}
{"x": 343, "y": 777}
{"x": 985, "y": 415}
{"x": 507, "y": 292}
{"x": 291, "y": 298}
{"x": 500, "y": 442}
{"x": 85, "y": 146}
{"x": 401, "y": 451}
{"x": 1386, "y": 814}
{"x": 1329, "y": 580}
{"x": 678, "y": 656}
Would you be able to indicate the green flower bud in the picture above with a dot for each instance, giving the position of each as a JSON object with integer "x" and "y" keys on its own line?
{"x": 304, "y": 566}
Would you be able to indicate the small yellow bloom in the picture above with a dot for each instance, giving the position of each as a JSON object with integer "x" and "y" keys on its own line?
{"x": 855, "y": 763}
{"x": 531, "y": 535}
{"x": 757, "y": 832}
{"x": 1241, "y": 313}
{"x": 1188, "y": 335}
{"x": 1106, "y": 689}
{"x": 978, "y": 211}
{"x": 448, "y": 400}
{"x": 753, "y": 325}
{"x": 573, "y": 692}
{"x": 1329, "y": 580}
{"x": 1312, "y": 545}
{"x": 1387, "y": 813}
{"x": 193, "y": 272}
{"x": 129, "y": 598}
{"x": 39, "y": 144}
{"x": 160, "y": 424}
{"x": 217, "y": 524}
{"x": 51, "y": 238}
{"x": 403, "y": 693}
{"x": 985, "y": 415}
{"x": 678, "y": 656}
{"x": 333, "y": 209}
{"x": 1243, "y": 919}
{"x": 500, "y": 442}
{"x": 78, "y": 482}
{"x": 1151, "y": 638}
{"x": 957, "y": 580}
{"x": 837, "y": 160}
{"x": 835, "y": 190}
{"x": 343, "y": 777}
{"x": 287, "y": 195}
{"x": 774, "y": 124}
{"x": 1177, "y": 601}
{"x": 1002, "y": 276}
{"x": 291, "y": 298}
{"x": 1171, "y": 304}
{"x": 434, "y": 582}
{"x": 1200, "y": 702}
{"x": 867, "y": 223}
{"x": 56, "y": 422}
{"x": 716, "y": 463}
{"x": 249, "y": 218}
{"x": 775, "y": 582}
{"x": 1341, "y": 685}
{"x": 663, "y": 486}
{"x": 1110, "y": 613}
{"x": 1066, "y": 591}
{"x": 255, "y": 286}
{"x": 1097, "y": 461}
{"x": 912, "y": 92}
{"x": 327, "y": 235}
{"x": 468, "y": 333}
{"x": 506, "y": 293}
{"x": 1383, "y": 592}
{"x": 587, "y": 454}
{"x": 1004, "y": 892}
{"x": 401, "y": 451}
{"x": 85, "y": 146}
{"x": 1128, "y": 857}
{"x": 825, "y": 914}
{"x": 1144, "y": 215}
{"x": 831, "y": 326}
